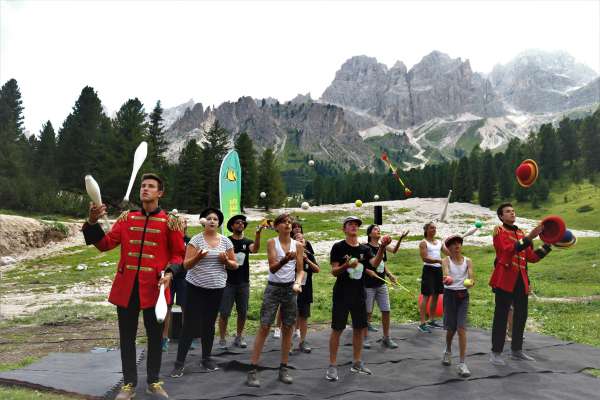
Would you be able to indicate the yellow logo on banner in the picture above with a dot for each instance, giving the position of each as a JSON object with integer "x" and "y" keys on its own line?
{"x": 231, "y": 175}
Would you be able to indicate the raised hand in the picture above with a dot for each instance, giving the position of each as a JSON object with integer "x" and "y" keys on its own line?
{"x": 96, "y": 212}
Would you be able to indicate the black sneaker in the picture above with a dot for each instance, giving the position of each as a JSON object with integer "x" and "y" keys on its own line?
{"x": 177, "y": 371}
{"x": 434, "y": 324}
{"x": 210, "y": 365}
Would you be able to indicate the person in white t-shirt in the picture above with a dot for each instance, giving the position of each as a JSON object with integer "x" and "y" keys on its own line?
{"x": 458, "y": 277}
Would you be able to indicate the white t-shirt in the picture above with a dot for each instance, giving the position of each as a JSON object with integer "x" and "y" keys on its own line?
{"x": 287, "y": 273}
{"x": 210, "y": 272}
{"x": 458, "y": 273}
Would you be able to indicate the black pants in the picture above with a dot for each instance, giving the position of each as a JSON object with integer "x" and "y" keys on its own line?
{"x": 520, "y": 300}
{"x": 199, "y": 315}
{"x": 128, "y": 324}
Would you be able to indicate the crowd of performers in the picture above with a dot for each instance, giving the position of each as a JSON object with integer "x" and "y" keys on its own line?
{"x": 210, "y": 273}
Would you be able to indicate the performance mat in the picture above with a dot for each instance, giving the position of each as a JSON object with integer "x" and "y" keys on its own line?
{"x": 413, "y": 370}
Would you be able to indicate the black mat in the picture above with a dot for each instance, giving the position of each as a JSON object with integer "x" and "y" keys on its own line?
{"x": 411, "y": 371}
{"x": 93, "y": 375}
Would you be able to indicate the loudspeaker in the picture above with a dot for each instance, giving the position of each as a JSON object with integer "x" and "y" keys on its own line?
{"x": 378, "y": 215}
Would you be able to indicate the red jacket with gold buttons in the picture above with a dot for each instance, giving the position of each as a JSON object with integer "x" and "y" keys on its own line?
{"x": 513, "y": 251}
{"x": 150, "y": 243}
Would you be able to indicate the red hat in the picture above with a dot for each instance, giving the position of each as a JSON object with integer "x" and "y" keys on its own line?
{"x": 554, "y": 229}
{"x": 527, "y": 172}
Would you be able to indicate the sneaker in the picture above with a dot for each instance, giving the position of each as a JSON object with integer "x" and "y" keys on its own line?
{"x": 252, "y": 379}
{"x": 240, "y": 342}
{"x": 424, "y": 328}
{"x": 359, "y": 368}
{"x": 156, "y": 390}
{"x": 127, "y": 392}
{"x": 296, "y": 334}
{"x": 177, "y": 371}
{"x": 366, "y": 344}
{"x": 389, "y": 343}
{"x": 434, "y": 324}
{"x": 371, "y": 328}
{"x": 165, "y": 345}
{"x": 210, "y": 364}
{"x": 223, "y": 344}
{"x": 462, "y": 370}
{"x": 496, "y": 359}
{"x": 304, "y": 347}
{"x": 508, "y": 338}
{"x": 284, "y": 375}
{"x": 332, "y": 373}
{"x": 446, "y": 358}
{"x": 277, "y": 333}
{"x": 519, "y": 355}
{"x": 195, "y": 344}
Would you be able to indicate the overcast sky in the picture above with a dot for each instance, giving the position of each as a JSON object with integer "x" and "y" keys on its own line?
{"x": 218, "y": 51}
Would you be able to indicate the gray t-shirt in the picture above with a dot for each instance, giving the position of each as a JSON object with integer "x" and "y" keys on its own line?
{"x": 210, "y": 272}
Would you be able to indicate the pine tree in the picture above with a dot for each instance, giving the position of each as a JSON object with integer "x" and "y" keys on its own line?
{"x": 247, "y": 155}
{"x": 156, "y": 139}
{"x": 590, "y": 132}
{"x": 475, "y": 164}
{"x": 188, "y": 190}
{"x": 213, "y": 152}
{"x": 506, "y": 177}
{"x": 487, "y": 180}
{"x": 550, "y": 157}
{"x": 463, "y": 188}
{"x": 45, "y": 159}
{"x": 270, "y": 181}
{"x": 11, "y": 96}
{"x": 569, "y": 145}
{"x": 83, "y": 142}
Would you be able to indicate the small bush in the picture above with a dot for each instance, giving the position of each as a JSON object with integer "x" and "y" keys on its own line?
{"x": 585, "y": 208}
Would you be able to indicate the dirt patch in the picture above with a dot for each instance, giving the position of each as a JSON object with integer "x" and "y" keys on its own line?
{"x": 38, "y": 341}
{"x": 581, "y": 299}
{"x": 20, "y": 234}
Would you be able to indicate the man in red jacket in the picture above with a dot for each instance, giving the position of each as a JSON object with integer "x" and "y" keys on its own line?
{"x": 151, "y": 242}
{"x": 510, "y": 282}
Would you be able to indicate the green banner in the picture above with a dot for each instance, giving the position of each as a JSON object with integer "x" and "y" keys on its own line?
{"x": 230, "y": 187}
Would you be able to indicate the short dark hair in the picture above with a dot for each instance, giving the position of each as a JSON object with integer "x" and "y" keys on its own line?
{"x": 370, "y": 229}
{"x": 151, "y": 175}
{"x": 501, "y": 208}
{"x": 296, "y": 224}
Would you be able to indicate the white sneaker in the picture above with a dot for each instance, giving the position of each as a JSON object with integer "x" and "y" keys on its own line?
{"x": 463, "y": 371}
{"x": 277, "y": 333}
{"x": 446, "y": 358}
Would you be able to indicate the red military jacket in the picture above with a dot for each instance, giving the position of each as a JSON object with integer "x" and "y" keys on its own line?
{"x": 149, "y": 244}
{"x": 513, "y": 251}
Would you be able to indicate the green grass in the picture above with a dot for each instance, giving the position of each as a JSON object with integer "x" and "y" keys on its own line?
{"x": 15, "y": 393}
{"x": 64, "y": 314}
{"x": 576, "y": 195}
{"x": 22, "y": 363}
{"x": 471, "y": 137}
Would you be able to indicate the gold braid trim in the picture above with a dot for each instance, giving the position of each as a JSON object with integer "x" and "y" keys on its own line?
{"x": 123, "y": 216}
{"x": 497, "y": 229}
{"x": 175, "y": 223}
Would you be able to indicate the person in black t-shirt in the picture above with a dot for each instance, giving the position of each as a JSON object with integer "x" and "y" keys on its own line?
{"x": 348, "y": 259}
{"x": 305, "y": 298}
{"x": 237, "y": 289}
{"x": 376, "y": 289}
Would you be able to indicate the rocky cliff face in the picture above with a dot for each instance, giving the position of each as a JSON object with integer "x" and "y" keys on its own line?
{"x": 438, "y": 86}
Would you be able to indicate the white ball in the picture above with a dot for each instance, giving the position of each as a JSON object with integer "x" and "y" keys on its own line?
{"x": 376, "y": 197}
{"x": 263, "y": 195}
{"x": 202, "y": 221}
{"x": 311, "y": 163}
{"x": 304, "y": 205}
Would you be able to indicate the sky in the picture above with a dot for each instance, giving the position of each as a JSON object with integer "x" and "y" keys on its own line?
{"x": 219, "y": 51}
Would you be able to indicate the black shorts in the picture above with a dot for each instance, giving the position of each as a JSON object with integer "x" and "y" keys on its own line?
{"x": 344, "y": 305}
{"x": 431, "y": 280}
{"x": 304, "y": 310}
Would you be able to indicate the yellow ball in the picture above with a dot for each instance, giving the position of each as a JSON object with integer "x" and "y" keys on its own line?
{"x": 468, "y": 282}
{"x": 358, "y": 203}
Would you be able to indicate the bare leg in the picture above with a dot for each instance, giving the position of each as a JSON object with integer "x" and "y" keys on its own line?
{"x": 302, "y": 324}
{"x": 286, "y": 342}
{"x": 369, "y": 316}
{"x": 423, "y": 309}
{"x": 385, "y": 322}
{"x": 241, "y": 322}
{"x": 259, "y": 343}
{"x": 462, "y": 343}
{"x": 222, "y": 327}
{"x": 357, "y": 343}
{"x": 334, "y": 344}
{"x": 449, "y": 337}
{"x": 433, "y": 306}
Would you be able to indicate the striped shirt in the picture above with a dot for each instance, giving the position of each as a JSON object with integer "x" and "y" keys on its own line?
{"x": 209, "y": 272}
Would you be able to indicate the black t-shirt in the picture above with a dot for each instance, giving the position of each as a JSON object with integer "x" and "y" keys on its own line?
{"x": 371, "y": 282}
{"x": 307, "y": 291}
{"x": 344, "y": 284}
{"x": 241, "y": 248}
